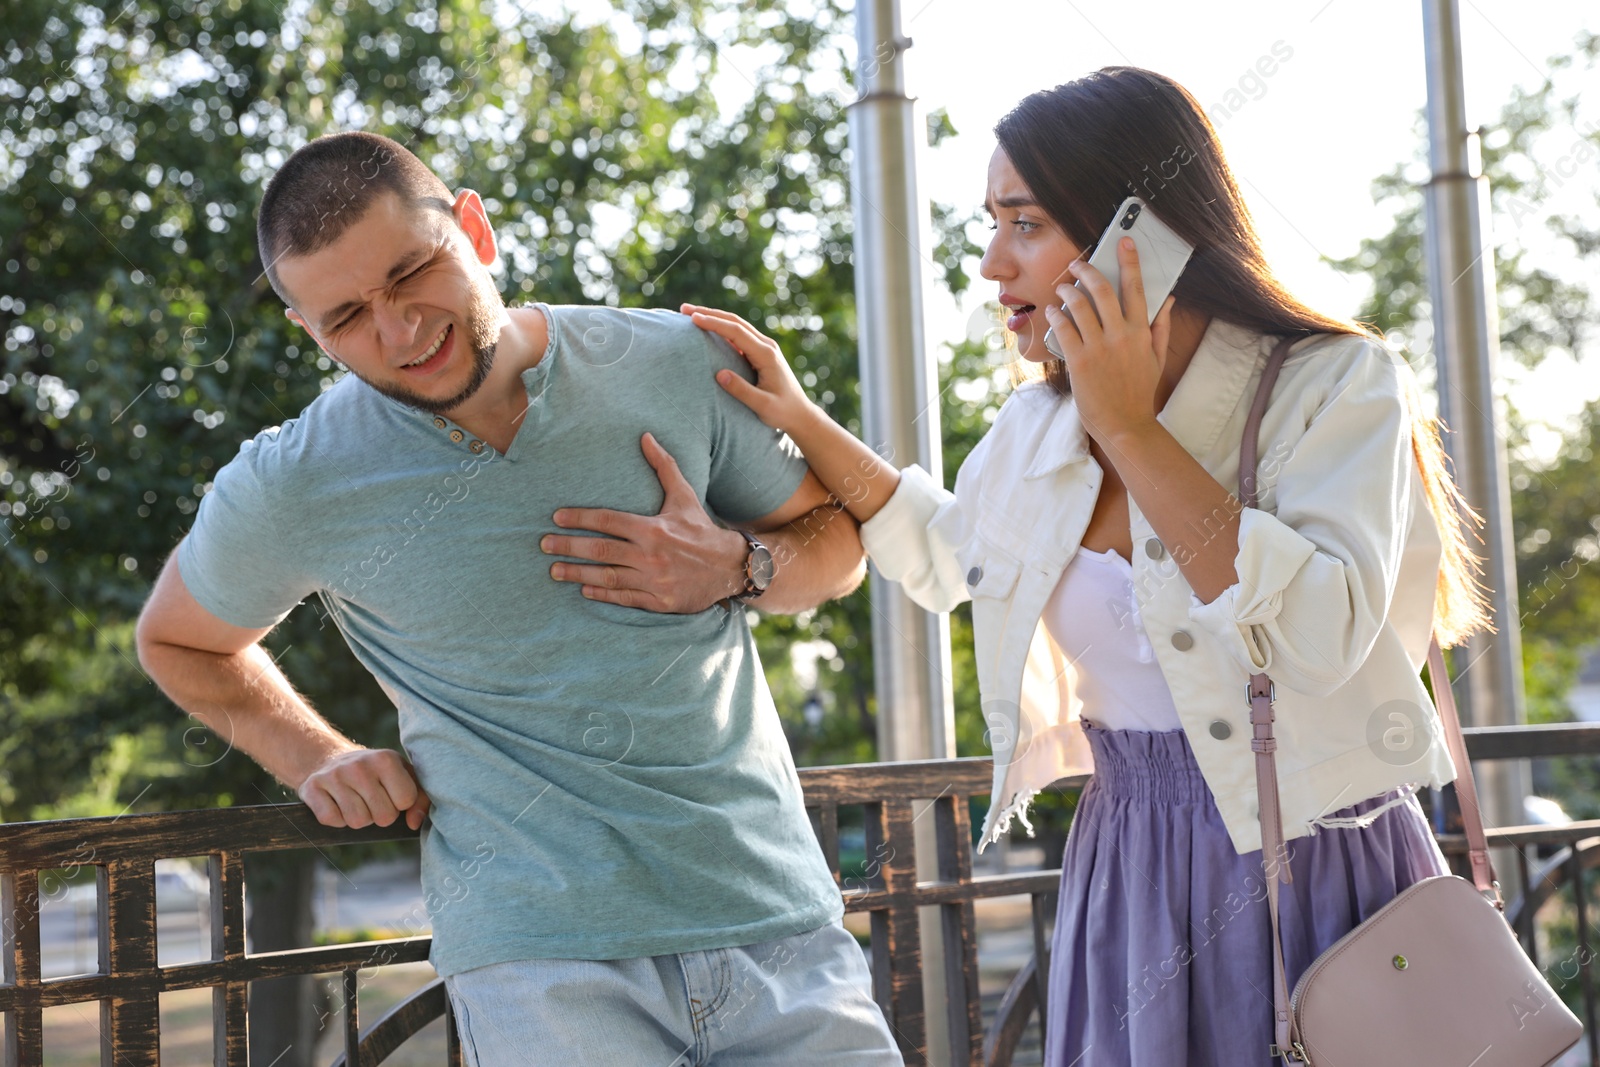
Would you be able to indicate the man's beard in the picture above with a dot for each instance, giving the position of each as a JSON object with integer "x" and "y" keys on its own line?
{"x": 482, "y": 361}
{"x": 482, "y": 325}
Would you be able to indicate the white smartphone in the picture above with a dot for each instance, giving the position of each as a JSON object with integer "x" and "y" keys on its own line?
{"x": 1162, "y": 256}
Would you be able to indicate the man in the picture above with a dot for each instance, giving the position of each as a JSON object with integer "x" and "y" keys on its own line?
{"x": 618, "y": 865}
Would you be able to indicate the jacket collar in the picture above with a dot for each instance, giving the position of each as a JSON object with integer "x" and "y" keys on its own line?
{"x": 1197, "y": 412}
{"x": 1064, "y": 441}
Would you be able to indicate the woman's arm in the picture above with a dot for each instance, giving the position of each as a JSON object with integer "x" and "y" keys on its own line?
{"x": 911, "y": 525}
{"x": 1116, "y": 363}
{"x": 1301, "y": 591}
{"x": 856, "y": 476}
{"x": 1190, "y": 511}
{"x": 1318, "y": 573}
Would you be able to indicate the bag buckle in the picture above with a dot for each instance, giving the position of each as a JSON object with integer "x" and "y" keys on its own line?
{"x": 1272, "y": 693}
{"x": 1492, "y": 895}
{"x": 1296, "y": 1052}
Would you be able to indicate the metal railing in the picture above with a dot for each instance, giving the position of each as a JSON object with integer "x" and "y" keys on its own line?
{"x": 128, "y": 981}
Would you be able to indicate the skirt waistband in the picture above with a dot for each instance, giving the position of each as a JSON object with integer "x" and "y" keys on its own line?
{"x": 1156, "y": 767}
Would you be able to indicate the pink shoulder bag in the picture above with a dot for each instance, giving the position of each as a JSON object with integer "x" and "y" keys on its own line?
{"x": 1434, "y": 978}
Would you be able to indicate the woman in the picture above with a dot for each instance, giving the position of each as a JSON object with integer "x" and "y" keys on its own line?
{"x": 1122, "y": 596}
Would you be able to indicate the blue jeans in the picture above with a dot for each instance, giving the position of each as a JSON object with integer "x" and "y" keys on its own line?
{"x": 801, "y": 999}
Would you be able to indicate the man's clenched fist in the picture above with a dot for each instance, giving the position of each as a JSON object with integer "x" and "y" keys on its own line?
{"x": 365, "y": 786}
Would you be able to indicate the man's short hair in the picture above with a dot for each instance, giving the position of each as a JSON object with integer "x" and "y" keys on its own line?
{"x": 328, "y": 184}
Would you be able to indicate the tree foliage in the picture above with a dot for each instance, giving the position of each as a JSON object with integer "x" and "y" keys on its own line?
{"x": 141, "y": 342}
{"x": 1547, "y": 304}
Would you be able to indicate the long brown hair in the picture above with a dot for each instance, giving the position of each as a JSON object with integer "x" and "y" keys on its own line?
{"x": 1083, "y": 147}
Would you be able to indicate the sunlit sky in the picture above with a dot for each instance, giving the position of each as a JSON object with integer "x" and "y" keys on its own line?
{"x": 1307, "y": 141}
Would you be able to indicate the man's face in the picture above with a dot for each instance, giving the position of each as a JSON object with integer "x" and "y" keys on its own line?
{"x": 403, "y": 301}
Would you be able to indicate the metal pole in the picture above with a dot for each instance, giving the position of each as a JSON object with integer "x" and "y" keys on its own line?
{"x": 1467, "y": 347}
{"x": 900, "y": 418}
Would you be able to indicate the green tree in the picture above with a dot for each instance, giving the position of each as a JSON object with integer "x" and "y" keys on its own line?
{"x": 141, "y": 343}
{"x": 1542, "y": 312}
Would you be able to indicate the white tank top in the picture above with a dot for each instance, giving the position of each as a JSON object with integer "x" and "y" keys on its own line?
{"x": 1093, "y": 617}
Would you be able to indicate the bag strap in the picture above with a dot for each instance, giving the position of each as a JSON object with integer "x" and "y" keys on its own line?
{"x": 1466, "y": 789}
{"x": 1260, "y": 694}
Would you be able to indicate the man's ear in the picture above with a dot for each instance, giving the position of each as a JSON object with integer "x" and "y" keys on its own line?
{"x": 474, "y": 222}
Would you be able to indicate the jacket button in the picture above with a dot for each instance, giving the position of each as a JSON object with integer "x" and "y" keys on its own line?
{"x": 1220, "y": 729}
{"x": 456, "y": 436}
{"x": 1182, "y": 641}
{"x": 439, "y": 422}
{"x": 1154, "y": 548}
{"x": 974, "y": 576}
{"x": 476, "y": 446}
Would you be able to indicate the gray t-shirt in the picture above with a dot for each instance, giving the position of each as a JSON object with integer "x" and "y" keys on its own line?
{"x": 606, "y": 782}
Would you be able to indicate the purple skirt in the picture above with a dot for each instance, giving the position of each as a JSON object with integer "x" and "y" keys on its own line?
{"x": 1162, "y": 951}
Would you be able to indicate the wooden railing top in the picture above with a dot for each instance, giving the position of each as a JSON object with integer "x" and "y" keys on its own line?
{"x": 158, "y": 835}
{"x": 40, "y": 845}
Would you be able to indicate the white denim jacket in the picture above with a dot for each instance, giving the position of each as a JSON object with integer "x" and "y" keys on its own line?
{"x": 1337, "y": 571}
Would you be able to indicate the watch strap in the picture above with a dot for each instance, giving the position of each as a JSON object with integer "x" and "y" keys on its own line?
{"x": 749, "y": 592}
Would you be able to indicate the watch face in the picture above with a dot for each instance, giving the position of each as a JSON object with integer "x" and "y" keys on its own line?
{"x": 761, "y": 566}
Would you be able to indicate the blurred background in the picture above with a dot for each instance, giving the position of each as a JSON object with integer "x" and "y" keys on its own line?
{"x": 642, "y": 154}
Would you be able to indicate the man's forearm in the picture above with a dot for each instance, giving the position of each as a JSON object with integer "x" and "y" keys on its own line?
{"x": 248, "y": 702}
{"x": 818, "y": 557}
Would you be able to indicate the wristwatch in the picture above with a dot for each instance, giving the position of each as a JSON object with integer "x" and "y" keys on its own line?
{"x": 759, "y": 569}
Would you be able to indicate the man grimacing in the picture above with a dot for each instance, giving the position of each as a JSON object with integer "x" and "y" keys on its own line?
{"x": 508, "y": 514}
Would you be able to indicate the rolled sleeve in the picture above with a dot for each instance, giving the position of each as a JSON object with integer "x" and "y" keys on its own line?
{"x": 913, "y": 540}
{"x": 1272, "y": 554}
{"x": 1315, "y": 575}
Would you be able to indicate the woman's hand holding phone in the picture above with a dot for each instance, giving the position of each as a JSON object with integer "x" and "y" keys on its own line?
{"x": 1113, "y": 357}
{"x": 1163, "y": 254}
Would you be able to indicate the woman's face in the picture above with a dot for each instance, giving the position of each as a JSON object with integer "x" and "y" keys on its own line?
{"x": 1027, "y": 256}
